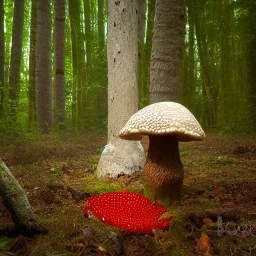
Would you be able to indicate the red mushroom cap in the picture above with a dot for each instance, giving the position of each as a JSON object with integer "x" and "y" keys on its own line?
{"x": 129, "y": 211}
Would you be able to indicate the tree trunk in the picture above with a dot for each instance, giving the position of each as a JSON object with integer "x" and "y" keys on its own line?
{"x": 78, "y": 63}
{"x": 43, "y": 67}
{"x": 120, "y": 156}
{"x": 16, "y": 201}
{"x": 88, "y": 37}
{"x": 167, "y": 46}
{"x": 141, "y": 36}
{"x": 74, "y": 25}
{"x": 16, "y": 53}
{"x": 59, "y": 82}
{"x": 147, "y": 50}
{"x": 101, "y": 30}
{"x": 32, "y": 56}
{"x": 101, "y": 68}
{"x": 188, "y": 86}
{"x": 2, "y": 55}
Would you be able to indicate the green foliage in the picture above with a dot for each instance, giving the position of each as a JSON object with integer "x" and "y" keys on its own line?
{"x": 5, "y": 243}
{"x": 225, "y": 160}
{"x": 219, "y": 82}
{"x": 218, "y": 79}
{"x": 10, "y": 130}
{"x": 57, "y": 171}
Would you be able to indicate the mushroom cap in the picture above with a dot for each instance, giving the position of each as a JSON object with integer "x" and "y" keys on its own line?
{"x": 163, "y": 118}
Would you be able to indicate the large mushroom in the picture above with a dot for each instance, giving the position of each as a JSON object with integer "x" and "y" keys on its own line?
{"x": 166, "y": 123}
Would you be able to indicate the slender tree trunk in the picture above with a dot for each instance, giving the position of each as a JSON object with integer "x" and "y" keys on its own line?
{"x": 120, "y": 156}
{"x": 2, "y": 55}
{"x": 59, "y": 82}
{"x": 101, "y": 30}
{"x": 43, "y": 67}
{"x": 32, "y": 56}
{"x": 148, "y": 47}
{"x": 16, "y": 201}
{"x": 141, "y": 36}
{"x": 74, "y": 26}
{"x": 16, "y": 53}
{"x": 168, "y": 40}
{"x": 88, "y": 37}
{"x": 78, "y": 62}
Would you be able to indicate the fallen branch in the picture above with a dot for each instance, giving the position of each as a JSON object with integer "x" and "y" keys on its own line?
{"x": 16, "y": 201}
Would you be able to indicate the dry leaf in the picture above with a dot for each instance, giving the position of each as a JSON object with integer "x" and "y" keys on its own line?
{"x": 203, "y": 246}
{"x": 208, "y": 222}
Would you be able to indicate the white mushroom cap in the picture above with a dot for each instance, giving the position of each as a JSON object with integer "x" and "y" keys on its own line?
{"x": 163, "y": 118}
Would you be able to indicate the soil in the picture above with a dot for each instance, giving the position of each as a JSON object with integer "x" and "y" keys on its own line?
{"x": 215, "y": 216}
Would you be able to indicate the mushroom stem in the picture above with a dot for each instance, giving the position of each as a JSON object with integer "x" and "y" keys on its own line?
{"x": 163, "y": 172}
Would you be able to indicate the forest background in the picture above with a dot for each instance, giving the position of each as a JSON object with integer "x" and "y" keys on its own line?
{"x": 218, "y": 71}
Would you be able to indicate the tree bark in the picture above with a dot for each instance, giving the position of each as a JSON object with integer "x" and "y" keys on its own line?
{"x": 141, "y": 36}
{"x": 188, "y": 85}
{"x": 16, "y": 53}
{"x": 120, "y": 156}
{"x": 88, "y": 37}
{"x": 32, "y": 55}
{"x": 147, "y": 50}
{"x": 167, "y": 46}
{"x": 16, "y": 201}
{"x": 78, "y": 63}
{"x": 101, "y": 30}
{"x": 59, "y": 82}
{"x": 2, "y": 55}
{"x": 43, "y": 67}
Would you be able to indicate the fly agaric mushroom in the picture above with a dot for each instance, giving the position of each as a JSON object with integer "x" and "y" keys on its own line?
{"x": 166, "y": 123}
{"x": 129, "y": 211}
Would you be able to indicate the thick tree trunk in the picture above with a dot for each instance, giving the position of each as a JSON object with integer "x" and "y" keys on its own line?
{"x": 16, "y": 53}
{"x": 167, "y": 46}
{"x": 16, "y": 201}
{"x": 59, "y": 82}
{"x": 32, "y": 55}
{"x": 2, "y": 55}
{"x": 120, "y": 156}
{"x": 43, "y": 67}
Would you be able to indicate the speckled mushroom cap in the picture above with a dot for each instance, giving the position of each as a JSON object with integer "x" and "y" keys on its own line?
{"x": 163, "y": 118}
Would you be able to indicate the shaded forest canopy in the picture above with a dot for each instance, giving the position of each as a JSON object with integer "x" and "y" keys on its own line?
{"x": 218, "y": 76}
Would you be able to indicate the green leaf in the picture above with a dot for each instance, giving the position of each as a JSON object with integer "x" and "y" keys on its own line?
{"x": 4, "y": 243}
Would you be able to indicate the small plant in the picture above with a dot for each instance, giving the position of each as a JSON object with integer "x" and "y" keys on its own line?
{"x": 225, "y": 160}
{"x": 57, "y": 171}
{"x": 93, "y": 163}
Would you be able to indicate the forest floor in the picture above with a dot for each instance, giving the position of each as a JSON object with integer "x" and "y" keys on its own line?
{"x": 216, "y": 214}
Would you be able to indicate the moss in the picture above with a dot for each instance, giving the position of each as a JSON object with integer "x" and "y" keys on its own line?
{"x": 98, "y": 186}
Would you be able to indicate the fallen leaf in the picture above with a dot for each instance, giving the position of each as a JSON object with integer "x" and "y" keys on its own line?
{"x": 217, "y": 190}
{"x": 208, "y": 222}
{"x": 203, "y": 246}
